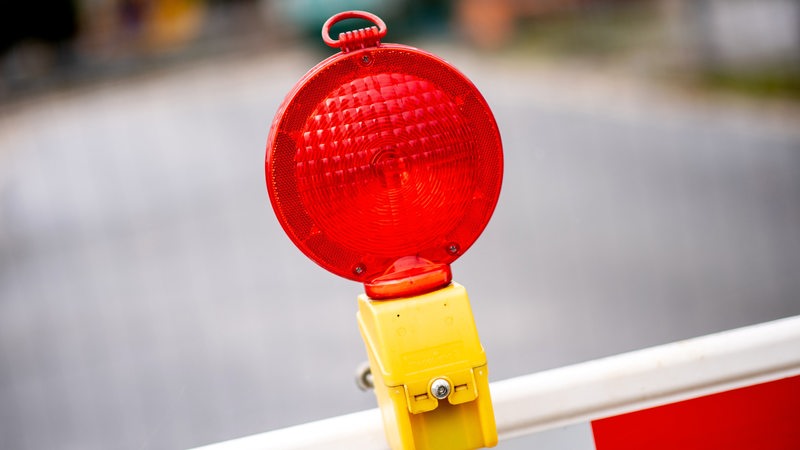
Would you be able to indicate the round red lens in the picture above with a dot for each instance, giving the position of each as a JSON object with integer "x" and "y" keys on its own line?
{"x": 383, "y": 154}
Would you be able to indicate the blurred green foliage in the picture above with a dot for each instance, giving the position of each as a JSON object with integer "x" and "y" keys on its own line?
{"x": 768, "y": 82}
{"x": 598, "y": 32}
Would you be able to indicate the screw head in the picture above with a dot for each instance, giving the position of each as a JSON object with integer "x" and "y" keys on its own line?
{"x": 364, "y": 379}
{"x": 453, "y": 248}
{"x": 440, "y": 388}
{"x": 359, "y": 269}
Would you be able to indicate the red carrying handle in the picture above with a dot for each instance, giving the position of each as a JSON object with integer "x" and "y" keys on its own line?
{"x": 379, "y": 31}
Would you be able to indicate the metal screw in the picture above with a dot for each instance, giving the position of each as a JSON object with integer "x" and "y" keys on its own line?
{"x": 440, "y": 388}
{"x": 364, "y": 379}
{"x": 359, "y": 269}
{"x": 452, "y": 248}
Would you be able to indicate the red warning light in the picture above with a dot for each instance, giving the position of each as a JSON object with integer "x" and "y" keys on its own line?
{"x": 384, "y": 163}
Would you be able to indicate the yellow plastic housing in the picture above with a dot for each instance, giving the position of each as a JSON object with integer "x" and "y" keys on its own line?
{"x": 413, "y": 341}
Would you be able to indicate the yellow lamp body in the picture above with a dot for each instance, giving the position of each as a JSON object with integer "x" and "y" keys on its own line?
{"x": 413, "y": 342}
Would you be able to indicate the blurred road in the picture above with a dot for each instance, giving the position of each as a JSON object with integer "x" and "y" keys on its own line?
{"x": 149, "y": 299}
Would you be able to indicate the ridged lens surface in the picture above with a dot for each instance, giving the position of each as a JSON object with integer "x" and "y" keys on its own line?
{"x": 380, "y": 154}
{"x": 385, "y": 160}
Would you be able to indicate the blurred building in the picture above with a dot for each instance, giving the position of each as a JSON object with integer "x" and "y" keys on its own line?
{"x": 741, "y": 34}
{"x": 39, "y": 37}
{"x": 123, "y": 26}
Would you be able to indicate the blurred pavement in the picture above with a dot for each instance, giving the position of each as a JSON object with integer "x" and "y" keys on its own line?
{"x": 149, "y": 298}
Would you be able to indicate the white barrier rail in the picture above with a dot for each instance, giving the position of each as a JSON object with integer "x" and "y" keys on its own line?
{"x": 586, "y": 391}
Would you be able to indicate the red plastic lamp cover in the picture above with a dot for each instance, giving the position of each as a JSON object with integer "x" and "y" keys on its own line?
{"x": 384, "y": 163}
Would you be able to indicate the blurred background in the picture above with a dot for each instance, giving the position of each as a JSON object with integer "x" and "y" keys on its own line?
{"x": 150, "y": 300}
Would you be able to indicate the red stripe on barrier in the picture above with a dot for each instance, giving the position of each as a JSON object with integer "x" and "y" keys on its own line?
{"x": 763, "y": 417}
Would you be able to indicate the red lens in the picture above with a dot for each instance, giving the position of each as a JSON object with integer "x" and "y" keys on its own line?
{"x": 381, "y": 154}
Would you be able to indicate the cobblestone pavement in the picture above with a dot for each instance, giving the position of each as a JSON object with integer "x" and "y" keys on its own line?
{"x": 149, "y": 298}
